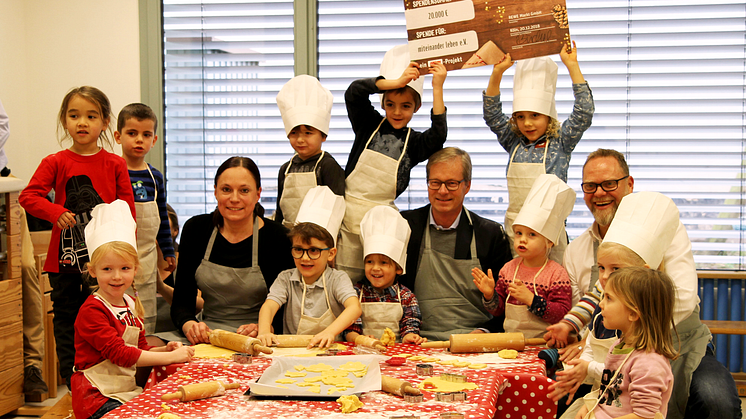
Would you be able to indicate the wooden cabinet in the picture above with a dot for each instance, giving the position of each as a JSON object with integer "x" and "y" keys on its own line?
{"x": 11, "y": 321}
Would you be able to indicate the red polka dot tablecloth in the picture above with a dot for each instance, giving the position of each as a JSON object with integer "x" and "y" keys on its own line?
{"x": 517, "y": 390}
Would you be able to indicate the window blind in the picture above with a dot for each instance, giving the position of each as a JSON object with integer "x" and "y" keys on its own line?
{"x": 667, "y": 79}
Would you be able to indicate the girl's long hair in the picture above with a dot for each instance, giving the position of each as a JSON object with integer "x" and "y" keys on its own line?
{"x": 126, "y": 252}
{"x": 652, "y": 295}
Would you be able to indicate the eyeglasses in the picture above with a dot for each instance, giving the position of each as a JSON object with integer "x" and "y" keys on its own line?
{"x": 607, "y": 185}
{"x": 451, "y": 185}
{"x": 312, "y": 252}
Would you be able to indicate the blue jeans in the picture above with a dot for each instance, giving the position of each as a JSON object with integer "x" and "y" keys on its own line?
{"x": 110, "y": 405}
{"x": 712, "y": 393}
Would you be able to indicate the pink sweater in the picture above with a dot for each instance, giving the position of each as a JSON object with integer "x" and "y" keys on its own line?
{"x": 643, "y": 385}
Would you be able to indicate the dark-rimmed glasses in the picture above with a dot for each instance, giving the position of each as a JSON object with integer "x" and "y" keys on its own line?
{"x": 312, "y": 252}
{"x": 607, "y": 185}
{"x": 451, "y": 185}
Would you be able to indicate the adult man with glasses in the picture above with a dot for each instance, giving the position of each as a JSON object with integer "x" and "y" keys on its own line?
{"x": 447, "y": 241}
{"x": 712, "y": 392}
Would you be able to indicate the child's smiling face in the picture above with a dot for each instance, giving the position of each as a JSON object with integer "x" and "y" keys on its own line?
{"x": 531, "y": 124}
{"x": 311, "y": 269}
{"x": 381, "y": 271}
{"x": 115, "y": 275}
{"x": 399, "y": 107}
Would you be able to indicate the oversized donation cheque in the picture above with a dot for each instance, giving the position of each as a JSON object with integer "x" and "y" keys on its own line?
{"x": 472, "y": 33}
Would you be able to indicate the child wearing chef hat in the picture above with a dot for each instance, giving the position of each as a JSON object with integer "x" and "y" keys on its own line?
{"x": 318, "y": 299}
{"x": 532, "y": 290}
{"x": 385, "y": 149}
{"x": 109, "y": 330}
{"x": 642, "y": 230}
{"x": 532, "y": 135}
{"x": 386, "y": 303}
{"x": 305, "y": 106}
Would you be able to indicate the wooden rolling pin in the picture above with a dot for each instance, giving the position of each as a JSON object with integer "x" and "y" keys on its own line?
{"x": 398, "y": 387}
{"x": 199, "y": 391}
{"x": 293, "y": 341}
{"x": 237, "y": 342}
{"x": 485, "y": 342}
{"x": 369, "y": 342}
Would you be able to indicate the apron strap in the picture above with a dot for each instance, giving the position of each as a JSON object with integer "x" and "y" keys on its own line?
{"x": 254, "y": 242}
{"x": 613, "y": 377}
{"x": 535, "y": 276}
{"x": 594, "y": 268}
{"x": 155, "y": 185}
{"x": 305, "y": 288}
{"x": 290, "y": 163}
{"x": 406, "y": 141}
{"x": 543, "y": 159}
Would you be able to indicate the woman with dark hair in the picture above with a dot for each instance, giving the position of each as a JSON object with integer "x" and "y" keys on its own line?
{"x": 232, "y": 255}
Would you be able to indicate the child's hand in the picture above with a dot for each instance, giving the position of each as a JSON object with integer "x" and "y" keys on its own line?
{"x": 267, "y": 339}
{"x": 412, "y": 72}
{"x": 439, "y": 72}
{"x": 171, "y": 264}
{"x": 66, "y": 220}
{"x": 520, "y": 292}
{"x": 485, "y": 283}
{"x": 322, "y": 340}
{"x": 557, "y": 334}
{"x": 250, "y": 330}
{"x": 505, "y": 63}
{"x": 413, "y": 338}
{"x": 183, "y": 354}
{"x": 582, "y": 412}
{"x": 173, "y": 345}
{"x": 569, "y": 55}
{"x": 569, "y": 379}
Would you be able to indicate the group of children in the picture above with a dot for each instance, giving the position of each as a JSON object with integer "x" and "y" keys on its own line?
{"x": 326, "y": 209}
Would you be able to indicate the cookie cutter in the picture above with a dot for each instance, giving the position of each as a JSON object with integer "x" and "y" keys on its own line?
{"x": 453, "y": 378}
{"x": 242, "y": 358}
{"x": 424, "y": 369}
{"x": 412, "y": 398}
{"x": 443, "y": 397}
{"x": 460, "y": 396}
{"x": 451, "y": 415}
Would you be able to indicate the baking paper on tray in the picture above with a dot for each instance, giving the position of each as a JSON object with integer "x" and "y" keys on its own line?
{"x": 266, "y": 385}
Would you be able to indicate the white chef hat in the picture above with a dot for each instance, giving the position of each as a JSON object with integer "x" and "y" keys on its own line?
{"x": 322, "y": 207}
{"x": 534, "y": 85}
{"x": 304, "y": 101}
{"x": 110, "y": 223}
{"x": 393, "y": 65}
{"x": 384, "y": 231}
{"x": 547, "y": 206}
{"x": 646, "y": 223}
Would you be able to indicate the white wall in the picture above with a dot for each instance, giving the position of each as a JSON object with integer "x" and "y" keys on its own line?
{"x": 50, "y": 46}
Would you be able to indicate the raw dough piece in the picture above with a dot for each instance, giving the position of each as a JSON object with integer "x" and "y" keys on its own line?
{"x": 388, "y": 338}
{"x": 446, "y": 386}
{"x": 319, "y": 367}
{"x": 315, "y": 379}
{"x": 508, "y": 354}
{"x": 415, "y": 358}
{"x": 429, "y": 359}
{"x": 294, "y": 374}
{"x": 168, "y": 416}
{"x": 314, "y": 389}
{"x": 360, "y": 374}
{"x": 337, "y": 381}
{"x": 164, "y": 406}
{"x": 299, "y": 367}
{"x": 306, "y": 384}
{"x": 461, "y": 364}
{"x": 477, "y": 366}
{"x": 353, "y": 366}
{"x": 349, "y": 404}
{"x": 335, "y": 373}
{"x": 285, "y": 381}
{"x": 205, "y": 350}
{"x": 402, "y": 355}
{"x": 448, "y": 362}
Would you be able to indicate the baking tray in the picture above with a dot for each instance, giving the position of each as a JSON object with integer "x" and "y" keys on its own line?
{"x": 266, "y": 387}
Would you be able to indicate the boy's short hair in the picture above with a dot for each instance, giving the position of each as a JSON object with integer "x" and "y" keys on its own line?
{"x": 401, "y": 91}
{"x": 387, "y": 257}
{"x": 307, "y": 231}
{"x": 139, "y": 111}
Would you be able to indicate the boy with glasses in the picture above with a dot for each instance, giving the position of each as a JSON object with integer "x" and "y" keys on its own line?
{"x": 319, "y": 300}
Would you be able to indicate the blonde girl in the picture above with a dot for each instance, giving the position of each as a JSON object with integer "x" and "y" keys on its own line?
{"x": 637, "y": 380}
{"x": 109, "y": 332}
{"x": 81, "y": 176}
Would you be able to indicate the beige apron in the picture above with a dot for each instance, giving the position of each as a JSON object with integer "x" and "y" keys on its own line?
{"x": 233, "y": 296}
{"x": 521, "y": 177}
{"x": 519, "y": 319}
{"x": 110, "y": 379}
{"x": 294, "y": 189}
{"x": 371, "y": 183}
{"x": 148, "y": 224}
{"x": 448, "y": 299}
{"x": 377, "y": 316}
{"x": 308, "y": 325}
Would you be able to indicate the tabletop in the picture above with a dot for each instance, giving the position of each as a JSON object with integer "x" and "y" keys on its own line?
{"x": 509, "y": 389}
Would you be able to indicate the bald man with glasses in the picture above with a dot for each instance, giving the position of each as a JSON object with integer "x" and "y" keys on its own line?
{"x": 447, "y": 241}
